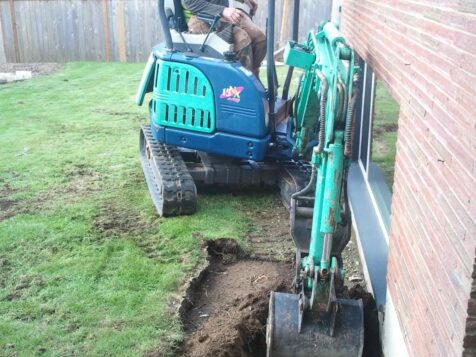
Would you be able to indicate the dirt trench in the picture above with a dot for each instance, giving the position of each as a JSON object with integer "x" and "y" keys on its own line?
{"x": 226, "y": 306}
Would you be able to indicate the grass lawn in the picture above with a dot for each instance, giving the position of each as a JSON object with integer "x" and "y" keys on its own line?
{"x": 86, "y": 266}
{"x": 384, "y": 132}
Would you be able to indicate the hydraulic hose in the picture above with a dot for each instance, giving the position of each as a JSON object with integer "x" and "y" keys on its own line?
{"x": 349, "y": 124}
{"x": 308, "y": 187}
{"x": 322, "y": 129}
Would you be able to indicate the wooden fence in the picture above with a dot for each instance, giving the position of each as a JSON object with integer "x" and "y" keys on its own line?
{"x": 109, "y": 30}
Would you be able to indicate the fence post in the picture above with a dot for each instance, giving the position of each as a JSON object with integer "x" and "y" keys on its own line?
{"x": 121, "y": 31}
{"x": 14, "y": 30}
{"x": 105, "y": 24}
{"x": 3, "y": 56}
{"x": 283, "y": 36}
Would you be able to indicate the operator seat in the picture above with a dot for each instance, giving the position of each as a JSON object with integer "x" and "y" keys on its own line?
{"x": 215, "y": 44}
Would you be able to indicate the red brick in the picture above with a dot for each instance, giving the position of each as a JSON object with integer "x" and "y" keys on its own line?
{"x": 425, "y": 53}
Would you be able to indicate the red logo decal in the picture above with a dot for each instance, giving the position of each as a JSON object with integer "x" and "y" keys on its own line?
{"x": 232, "y": 93}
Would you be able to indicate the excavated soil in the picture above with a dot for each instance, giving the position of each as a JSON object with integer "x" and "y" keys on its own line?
{"x": 226, "y": 307}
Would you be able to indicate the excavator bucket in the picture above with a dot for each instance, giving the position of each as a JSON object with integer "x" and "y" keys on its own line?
{"x": 291, "y": 333}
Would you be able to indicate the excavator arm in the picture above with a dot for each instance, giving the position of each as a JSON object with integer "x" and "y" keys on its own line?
{"x": 315, "y": 319}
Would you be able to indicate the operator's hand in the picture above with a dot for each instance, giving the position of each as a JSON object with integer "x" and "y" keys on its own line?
{"x": 232, "y": 15}
{"x": 253, "y": 6}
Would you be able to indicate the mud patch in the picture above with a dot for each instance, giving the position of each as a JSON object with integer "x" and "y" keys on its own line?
{"x": 137, "y": 117}
{"x": 78, "y": 170}
{"x": 78, "y": 182}
{"x": 5, "y": 268}
{"x": 113, "y": 220}
{"x": 7, "y": 205}
{"x": 272, "y": 240}
{"x": 6, "y": 209}
{"x": 226, "y": 307}
{"x": 76, "y": 186}
{"x": 24, "y": 285}
{"x": 80, "y": 179}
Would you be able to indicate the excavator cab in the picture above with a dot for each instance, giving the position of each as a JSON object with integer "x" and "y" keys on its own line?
{"x": 212, "y": 122}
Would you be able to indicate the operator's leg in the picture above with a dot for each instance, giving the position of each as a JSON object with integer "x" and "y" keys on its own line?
{"x": 243, "y": 49}
{"x": 197, "y": 26}
{"x": 258, "y": 43}
{"x": 242, "y": 41}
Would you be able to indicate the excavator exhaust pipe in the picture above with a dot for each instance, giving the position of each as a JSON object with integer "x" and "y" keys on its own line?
{"x": 292, "y": 331}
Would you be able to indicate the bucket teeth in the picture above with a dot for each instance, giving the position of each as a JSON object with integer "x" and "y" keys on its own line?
{"x": 171, "y": 186}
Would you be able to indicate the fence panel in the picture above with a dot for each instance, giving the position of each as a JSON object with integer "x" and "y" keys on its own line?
{"x": 115, "y": 30}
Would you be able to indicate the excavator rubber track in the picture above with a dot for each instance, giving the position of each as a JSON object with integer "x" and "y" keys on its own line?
{"x": 170, "y": 184}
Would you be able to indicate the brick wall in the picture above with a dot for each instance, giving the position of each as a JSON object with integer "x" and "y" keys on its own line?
{"x": 425, "y": 52}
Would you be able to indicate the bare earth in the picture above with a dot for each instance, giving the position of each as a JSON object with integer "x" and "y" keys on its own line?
{"x": 230, "y": 306}
{"x": 226, "y": 307}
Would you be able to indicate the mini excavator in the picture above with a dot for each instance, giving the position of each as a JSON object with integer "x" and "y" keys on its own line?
{"x": 212, "y": 122}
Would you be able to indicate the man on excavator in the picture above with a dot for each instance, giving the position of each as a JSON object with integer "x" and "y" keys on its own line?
{"x": 249, "y": 40}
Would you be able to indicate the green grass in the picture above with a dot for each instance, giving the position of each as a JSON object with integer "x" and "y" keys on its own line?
{"x": 384, "y": 132}
{"x": 86, "y": 266}
{"x": 281, "y": 72}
